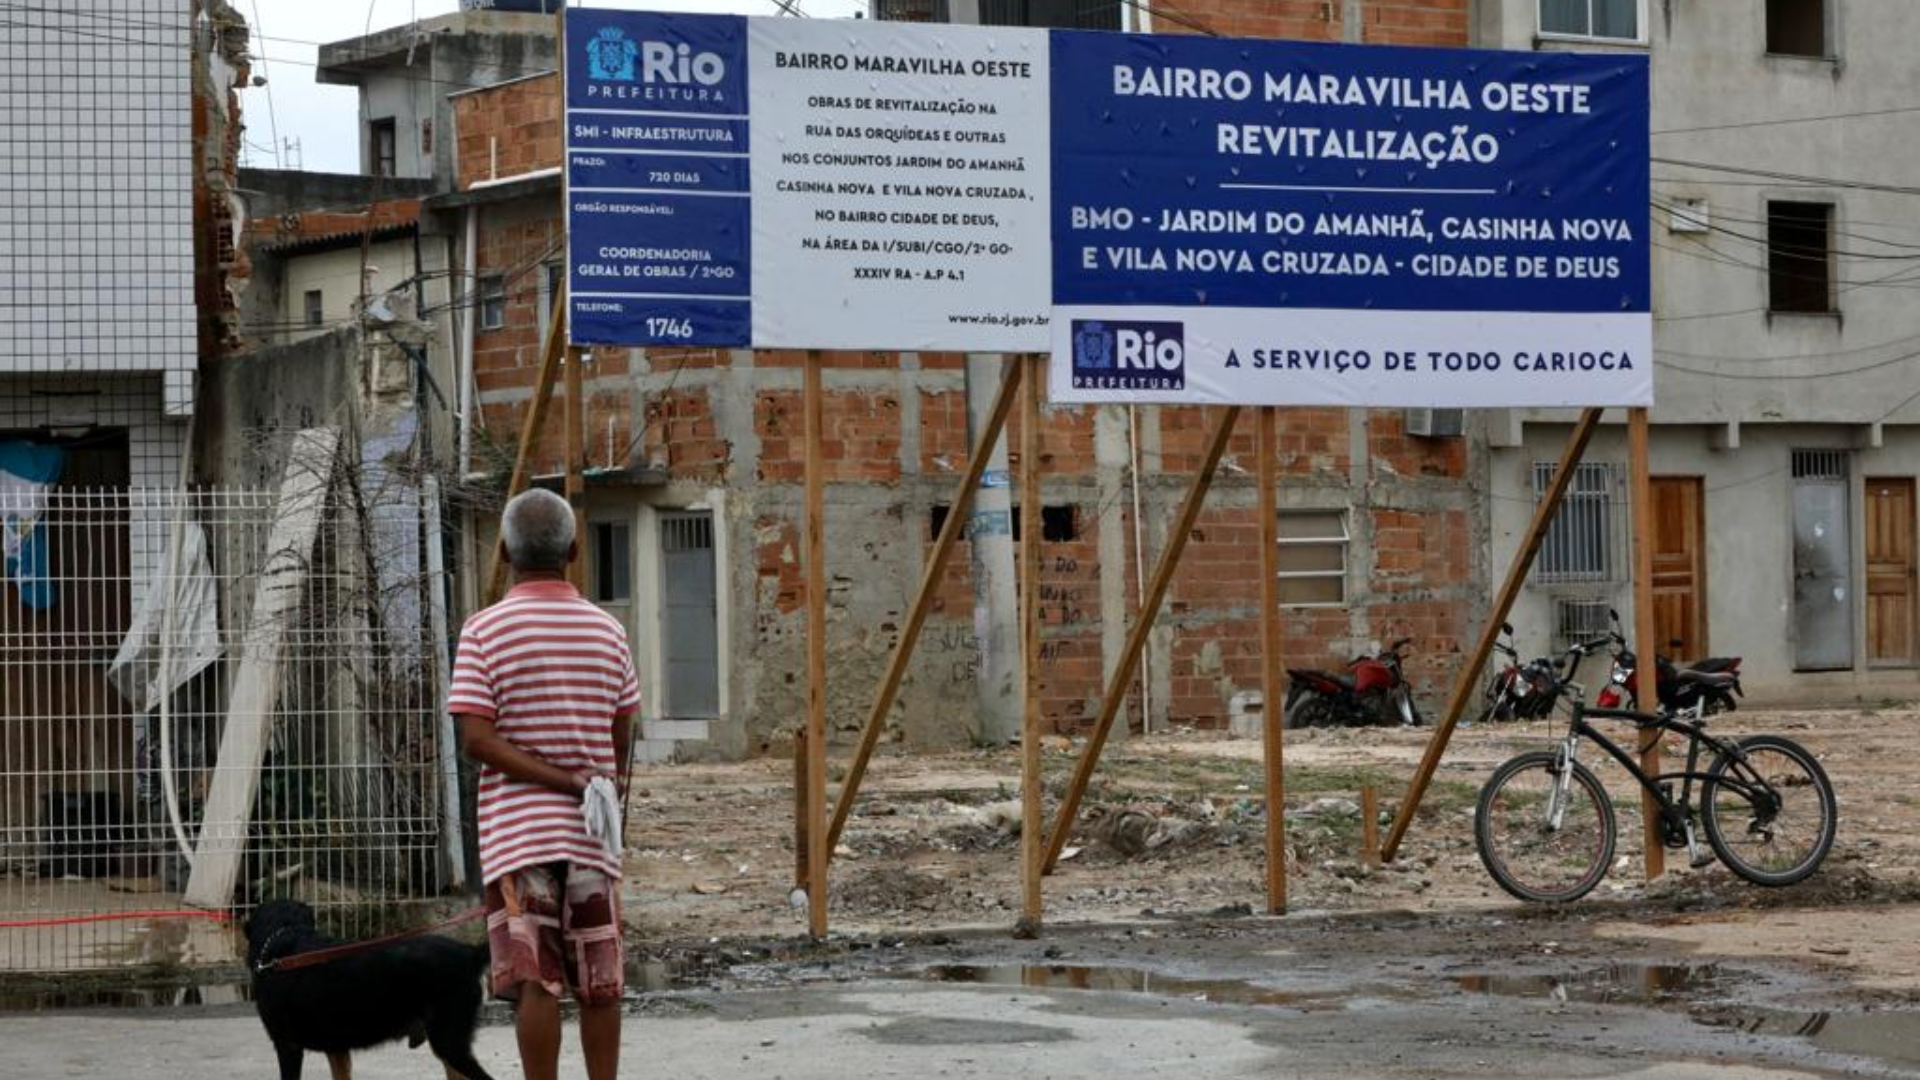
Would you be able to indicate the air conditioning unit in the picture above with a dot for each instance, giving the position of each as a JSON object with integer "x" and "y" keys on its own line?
{"x": 1689, "y": 216}
{"x": 1437, "y": 423}
{"x": 1580, "y": 619}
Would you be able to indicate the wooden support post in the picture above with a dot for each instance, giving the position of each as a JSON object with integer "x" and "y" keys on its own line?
{"x": 530, "y": 429}
{"x": 1116, "y": 692}
{"x": 1369, "y": 825}
{"x": 1467, "y": 681}
{"x": 1272, "y": 692}
{"x": 936, "y": 569}
{"x": 802, "y": 761}
{"x": 814, "y": 555}
{"x": 1647, "y": 671}
{"x": 576, "y": 481}
{"x": 1032, "y": 806}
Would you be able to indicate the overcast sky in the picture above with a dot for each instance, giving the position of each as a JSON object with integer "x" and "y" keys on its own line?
{"x": 322, "y": 118}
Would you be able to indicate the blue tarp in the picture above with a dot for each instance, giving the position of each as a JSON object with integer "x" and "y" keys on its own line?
{"x": 27, "y": 470}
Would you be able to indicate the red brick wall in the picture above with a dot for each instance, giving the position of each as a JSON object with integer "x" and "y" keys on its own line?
{"x": 507, "y": 130}
{"x": 1394, "y": 22}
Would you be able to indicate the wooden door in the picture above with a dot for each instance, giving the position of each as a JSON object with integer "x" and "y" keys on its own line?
{"x": 1679, "y": 567}
{"x": 1890, "y": 571}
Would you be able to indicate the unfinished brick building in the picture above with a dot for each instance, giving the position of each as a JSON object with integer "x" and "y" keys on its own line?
{"x": 696, "y": 493}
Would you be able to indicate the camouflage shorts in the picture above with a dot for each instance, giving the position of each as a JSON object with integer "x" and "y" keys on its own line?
{"x": 558, "y": 925}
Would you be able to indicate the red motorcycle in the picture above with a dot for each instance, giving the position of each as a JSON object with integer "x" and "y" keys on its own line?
{"x": 1372, "y": 692}
{"x": 1711, "y": 683}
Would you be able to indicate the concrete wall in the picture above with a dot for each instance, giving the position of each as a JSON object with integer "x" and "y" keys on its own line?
{"x": 409, "y": 78}
{"x": 1722, "y": 356}
{"x": 255, "y": 398}
{"x": 1736, "y": 386}
{"x": 1749, "y": 547}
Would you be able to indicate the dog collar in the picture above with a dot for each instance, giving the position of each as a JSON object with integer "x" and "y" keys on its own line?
{"x": 266, "y": 963}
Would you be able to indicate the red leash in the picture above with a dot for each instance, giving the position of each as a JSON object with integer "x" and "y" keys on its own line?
{"x": 335, "y": 952}
{"x": 113, "y": 916}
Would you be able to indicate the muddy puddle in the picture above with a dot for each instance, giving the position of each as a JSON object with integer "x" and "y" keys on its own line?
{"x": 1614, "y": 984}
{"x": 1703, "y": 990}
{"x": 1120, "y": 980}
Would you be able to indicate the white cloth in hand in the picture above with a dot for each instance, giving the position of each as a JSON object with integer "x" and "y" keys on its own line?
{"x": 600, "y": 809}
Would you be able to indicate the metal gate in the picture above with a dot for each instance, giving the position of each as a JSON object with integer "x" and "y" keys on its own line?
{"x": 1822, "y": 562}
{"x": 117, "y": 668}
{"x": 690, "y": 635}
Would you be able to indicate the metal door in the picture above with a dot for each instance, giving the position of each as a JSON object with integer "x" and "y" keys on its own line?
{"x": 689, "y": 616}
{"x": 1822, "y": 562}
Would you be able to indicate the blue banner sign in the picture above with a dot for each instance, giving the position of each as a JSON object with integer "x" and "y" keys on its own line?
{"x": 659, "y": 219}
{"x": 1268, "y": 222}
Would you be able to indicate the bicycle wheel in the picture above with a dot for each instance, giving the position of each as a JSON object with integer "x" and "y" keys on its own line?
{"x": 1765, "y": 843}
{"x": 1522, "y": 846}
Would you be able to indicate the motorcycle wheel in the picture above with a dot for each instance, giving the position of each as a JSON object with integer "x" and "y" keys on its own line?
{"x": 1310, "y": 710}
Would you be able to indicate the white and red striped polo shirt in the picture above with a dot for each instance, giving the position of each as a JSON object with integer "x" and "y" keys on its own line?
{"x": 551, "y": 671}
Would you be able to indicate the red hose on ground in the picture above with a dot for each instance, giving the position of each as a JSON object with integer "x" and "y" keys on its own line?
{"x": 114, "y": 916}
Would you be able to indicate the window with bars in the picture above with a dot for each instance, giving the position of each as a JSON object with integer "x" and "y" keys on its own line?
{"x": 1579, "y": 544}
{"x": 316, "y": 310}
{"x": 1313, "y": 557}
{"x": 1828, "y": 465}
{"x": 1577, "y": 620}
{"x": 1610, "y": 20}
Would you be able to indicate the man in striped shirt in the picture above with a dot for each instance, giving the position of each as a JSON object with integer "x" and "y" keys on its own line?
{"x": 545, "y": 693}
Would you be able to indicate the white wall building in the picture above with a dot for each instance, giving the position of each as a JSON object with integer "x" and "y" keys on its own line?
{"x": 1786, "y": 252}
{"x": 96, "y": 225}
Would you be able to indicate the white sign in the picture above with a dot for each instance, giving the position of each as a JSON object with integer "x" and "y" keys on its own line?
{"x": 900, "y": 177}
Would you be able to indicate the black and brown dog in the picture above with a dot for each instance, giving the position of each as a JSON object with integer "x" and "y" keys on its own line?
{"x": 423, "y": 989}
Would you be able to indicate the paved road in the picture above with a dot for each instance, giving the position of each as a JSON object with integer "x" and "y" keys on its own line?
{"x": 882, "y": 1029}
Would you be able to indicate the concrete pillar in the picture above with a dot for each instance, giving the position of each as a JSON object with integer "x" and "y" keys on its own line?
{"x": 996, "y": 611}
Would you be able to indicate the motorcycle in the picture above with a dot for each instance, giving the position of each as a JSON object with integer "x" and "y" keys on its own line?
{"x": 1713, "y": 682}
{"x": 1372, "y": 692}
{"x": 1520, "y": 691}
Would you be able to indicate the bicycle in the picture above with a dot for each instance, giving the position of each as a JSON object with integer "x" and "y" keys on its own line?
{"x": 1546, "y": 830}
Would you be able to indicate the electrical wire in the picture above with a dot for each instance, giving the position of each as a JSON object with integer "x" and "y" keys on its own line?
{"x": 1764, "y": 242}
{"x": 1743, "y": 125}
{"x": 1716, "y": 211}
{"x": 1823, "y": 181}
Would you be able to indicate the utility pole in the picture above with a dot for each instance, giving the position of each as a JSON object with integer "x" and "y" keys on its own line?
{"x": 996, "y": 611}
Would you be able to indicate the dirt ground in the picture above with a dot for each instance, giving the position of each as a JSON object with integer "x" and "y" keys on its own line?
{"x": 1152, "y": 960}
{"x": 1174, "y": 826}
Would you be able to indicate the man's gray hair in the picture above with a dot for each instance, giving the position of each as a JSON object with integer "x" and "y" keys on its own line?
{"x": 537, "y": 527}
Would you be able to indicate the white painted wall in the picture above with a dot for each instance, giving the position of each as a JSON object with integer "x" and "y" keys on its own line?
{"x": 336, "y": 274}
{"x": 1749, "y": 542}
{"x": 1729, "y": 373}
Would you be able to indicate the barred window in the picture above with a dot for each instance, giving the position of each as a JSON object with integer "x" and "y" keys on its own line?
{"x": 1579, "y": 545}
